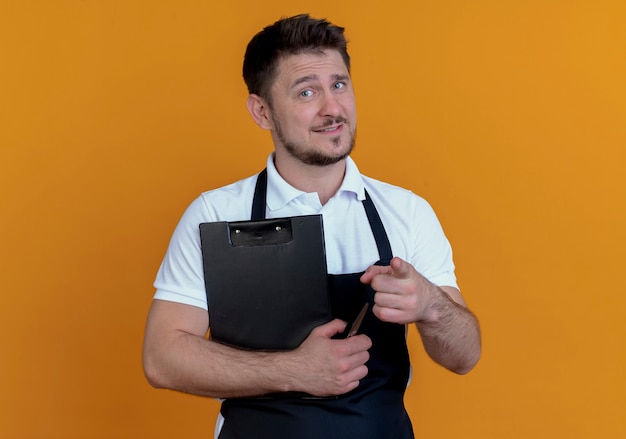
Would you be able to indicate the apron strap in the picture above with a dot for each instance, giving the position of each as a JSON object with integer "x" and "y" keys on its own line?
{"x": 378, "y": 229}
{"x": 260, "y": 197}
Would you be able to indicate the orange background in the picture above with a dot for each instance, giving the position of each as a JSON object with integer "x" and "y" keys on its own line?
{"x": 509, "y": 117}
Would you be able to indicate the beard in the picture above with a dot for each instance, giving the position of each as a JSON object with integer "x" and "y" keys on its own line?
{"x": 308, "y": 155}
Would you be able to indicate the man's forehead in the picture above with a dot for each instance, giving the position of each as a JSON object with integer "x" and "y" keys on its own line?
{"x": 304, "y": 66}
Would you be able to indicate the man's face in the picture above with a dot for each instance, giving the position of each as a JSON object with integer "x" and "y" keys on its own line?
{"x": 313, "y": 109}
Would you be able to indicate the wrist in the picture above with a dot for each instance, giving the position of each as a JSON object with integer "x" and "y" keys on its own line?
{"x": 286, "y": 371}
{"x": 437, "y": 306}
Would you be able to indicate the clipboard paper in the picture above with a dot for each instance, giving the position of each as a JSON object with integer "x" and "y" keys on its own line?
{"x": 266, "y": 281}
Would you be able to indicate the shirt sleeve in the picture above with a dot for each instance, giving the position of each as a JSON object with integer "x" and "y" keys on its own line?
{"x": 181, "y": 277}
{"x": 432, "y": 251}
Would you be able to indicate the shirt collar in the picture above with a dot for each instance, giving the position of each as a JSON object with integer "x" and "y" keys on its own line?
{"x": 280, "y": 193}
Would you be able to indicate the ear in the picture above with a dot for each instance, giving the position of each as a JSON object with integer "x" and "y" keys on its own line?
{"x": 260, "y": 111}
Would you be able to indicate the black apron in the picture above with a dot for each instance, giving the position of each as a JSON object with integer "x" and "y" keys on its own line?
{"x": 375, "y": 409}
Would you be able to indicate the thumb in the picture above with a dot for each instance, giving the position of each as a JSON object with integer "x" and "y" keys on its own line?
{"x": 329, "y": 329}
{"x": 400, "y": 268}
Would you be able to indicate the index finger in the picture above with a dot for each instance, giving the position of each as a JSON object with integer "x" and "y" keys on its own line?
{"x": 373, "y": 271}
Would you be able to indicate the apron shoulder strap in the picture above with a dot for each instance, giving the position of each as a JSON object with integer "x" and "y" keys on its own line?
{"x": 260, "y": 197}
{"x": 378, "y": 229}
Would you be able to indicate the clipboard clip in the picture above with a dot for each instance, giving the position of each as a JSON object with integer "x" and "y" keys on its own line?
{"x": 260, "y": 233}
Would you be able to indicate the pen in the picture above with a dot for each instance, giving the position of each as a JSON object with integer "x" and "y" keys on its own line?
{"x": 358, "y": 321}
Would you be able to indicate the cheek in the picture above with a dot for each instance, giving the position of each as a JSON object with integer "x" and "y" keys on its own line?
{"x": 303, "y": 117}
{"x": 349, "y": 106}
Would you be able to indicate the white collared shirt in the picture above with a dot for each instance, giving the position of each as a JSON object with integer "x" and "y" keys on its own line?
{"x": 414, "y": 232}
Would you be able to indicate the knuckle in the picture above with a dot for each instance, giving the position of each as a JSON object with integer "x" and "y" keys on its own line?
{"x": 343, "y": 366}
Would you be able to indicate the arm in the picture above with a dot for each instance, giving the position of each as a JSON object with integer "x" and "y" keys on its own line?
{"x": 449, "y": 331}
{"x": 176, "y": 355}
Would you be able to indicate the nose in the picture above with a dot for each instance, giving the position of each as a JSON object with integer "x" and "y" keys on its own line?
{"x": 330, "y": 106}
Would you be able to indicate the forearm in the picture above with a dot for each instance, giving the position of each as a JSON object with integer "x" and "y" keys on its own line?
{"x": 450, "y": 333}
{"x": 192, "y": 364}
{"x": 177, "y": 356}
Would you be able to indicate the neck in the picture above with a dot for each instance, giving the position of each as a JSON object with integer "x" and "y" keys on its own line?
{"x": 324, "y": 180}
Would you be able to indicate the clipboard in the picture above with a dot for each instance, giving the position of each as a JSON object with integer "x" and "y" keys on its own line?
{"x": 266, "y": 281}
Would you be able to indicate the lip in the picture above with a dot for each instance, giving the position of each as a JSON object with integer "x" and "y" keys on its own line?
{"x": 333, "y": 129}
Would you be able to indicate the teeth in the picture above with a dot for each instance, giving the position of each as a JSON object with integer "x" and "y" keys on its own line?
{"x": 329, "y": 129}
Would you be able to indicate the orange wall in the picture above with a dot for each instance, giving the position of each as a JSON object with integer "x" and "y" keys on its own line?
{"x": 509, "y": 117}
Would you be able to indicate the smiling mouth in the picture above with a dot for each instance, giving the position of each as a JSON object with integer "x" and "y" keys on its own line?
{"x": 330, "y": 125}
{"x": 331, "y": 129}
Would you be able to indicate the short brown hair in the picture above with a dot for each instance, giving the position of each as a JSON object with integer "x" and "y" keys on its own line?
{"x": 288, "y": 36}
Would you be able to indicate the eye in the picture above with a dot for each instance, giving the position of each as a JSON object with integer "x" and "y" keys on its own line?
{"x": 306, "y": 93}
{"x": 339, "y": 85}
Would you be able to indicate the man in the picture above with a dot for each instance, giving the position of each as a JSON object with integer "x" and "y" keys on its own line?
{"x": 382, "y": 242}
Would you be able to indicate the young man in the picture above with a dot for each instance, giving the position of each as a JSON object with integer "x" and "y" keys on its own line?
{"x": 383, "y": 243}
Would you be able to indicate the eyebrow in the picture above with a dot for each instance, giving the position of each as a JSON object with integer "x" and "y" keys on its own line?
{"x": 309, "y": 78}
